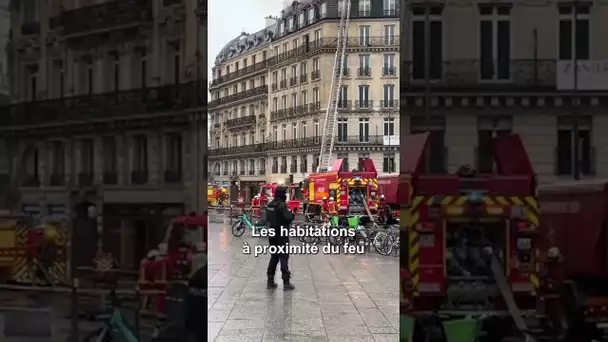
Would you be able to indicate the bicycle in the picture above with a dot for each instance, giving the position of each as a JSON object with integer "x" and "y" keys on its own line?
{"x": 386, "y": 241}
{"x": 116, "y": 327}
{"x": 238, "y": 227}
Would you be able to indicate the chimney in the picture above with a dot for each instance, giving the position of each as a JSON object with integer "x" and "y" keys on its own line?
{"x": 269, "y": 21}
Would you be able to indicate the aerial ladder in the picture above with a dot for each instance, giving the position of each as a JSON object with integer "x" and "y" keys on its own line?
{"x": 329, "y": 129}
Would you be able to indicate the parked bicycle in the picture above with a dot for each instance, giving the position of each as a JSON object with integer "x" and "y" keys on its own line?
{"x": 116, "y": 327}
{"x": 387, "y": 241}
{"x": 243, "y": 221}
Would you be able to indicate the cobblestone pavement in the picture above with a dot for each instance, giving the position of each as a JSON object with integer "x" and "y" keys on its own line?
{"x": 337, "y": 297}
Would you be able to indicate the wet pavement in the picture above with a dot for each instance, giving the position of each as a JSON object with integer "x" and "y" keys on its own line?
{"x": 337, "y": 297}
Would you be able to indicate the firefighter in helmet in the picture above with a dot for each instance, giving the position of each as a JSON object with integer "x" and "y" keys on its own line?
{"x": 255, "y": 205}
{"x": 332, "y": 208}
{"x": 324, "y": 209}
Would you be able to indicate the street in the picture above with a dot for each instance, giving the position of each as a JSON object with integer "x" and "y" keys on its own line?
{"x": 337, "y": 297}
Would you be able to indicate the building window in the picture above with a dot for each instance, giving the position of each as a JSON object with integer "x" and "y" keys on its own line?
{"x": 284, "y": 164}
{"x": 143, "y": 67}
{"x": 365, "y": 8}
{"x": 388, "y": 163}
{"x": 316, "y": 124}
{"x": 315, "y": 95}
{"x": 389, "y": 35}
{"x": 87, "y": 155}
{"x": 389, "y": 7}
{"x": 290, "y": 24}
{"x": 275, "y": 133}
{"x": 389, "y": 127}
{"x": 303, "y": 132}
{"x": 363, "y": 130}
{"x": 434, "y": 161}
{"x": 435, "y": 59}
{"x": 284, "y": 132}
{"x": 311, "y": 15}
{"x": 174, "y": 153}
{"x": 284, "y": 102}
{"x": 364, "y": 39}
{"x": 294, "y": 130}
{"x": 110, "y": 154}
{"x": 323, "y": 10}
{"x": 315, "y": 65}
{"x": 58, "y": 158}
{"x": 275, "y": 104}
{"x": 140, "y": 159}
{"x": 573, "y": 39}
{"x": 364, "y": 96}
{"x": 304, "y": 98}
{"x": 343, "y": 99}
{"x": 485, "y": 156}
{"x": 294, "y": 100}
{"x": 342, "y": 129}
{"x": 389, "y": 95}
{"x": 177, "y": 66}
{"x": 389, "y": 65}
{"x": 116, "y": 77}
{"x": 495, "y": 42}
{"x": 362, "y": 157}
{"x": 364, "y": 65}
{"x": 566, "y": 146}
{"x": 90, "y": 80}
{"x": 301, "y": 20}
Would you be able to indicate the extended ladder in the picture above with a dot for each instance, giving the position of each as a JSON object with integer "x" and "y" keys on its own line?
{"x": 327, "y": 142}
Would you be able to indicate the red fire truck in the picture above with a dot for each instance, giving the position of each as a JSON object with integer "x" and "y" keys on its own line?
{"x": 355, "y": 192}
{"x": 472, "y": 246}
{"x": 388, "y": 186}
{"x": 267, "y": 191}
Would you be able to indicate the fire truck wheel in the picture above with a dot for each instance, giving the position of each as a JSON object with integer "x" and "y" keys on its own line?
{"x": 238, "y": 228}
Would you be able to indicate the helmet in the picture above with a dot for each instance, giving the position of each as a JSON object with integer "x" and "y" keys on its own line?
{"x": 381, "y": 196}
{"x": 331, "y": 198}
{"x": 324, "y": 198}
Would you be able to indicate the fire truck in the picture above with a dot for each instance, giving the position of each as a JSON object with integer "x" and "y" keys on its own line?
{"x": 355, "y": 192}
{"x": 574, "y": 218}
{"x": 217, "y": 195}
{"x": 473, "y": 247}
{"x": 294, "y": 200}
{"x": 388, "y": 186}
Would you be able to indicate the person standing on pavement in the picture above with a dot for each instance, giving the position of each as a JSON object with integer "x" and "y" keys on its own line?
{"x": 278, "y": 215}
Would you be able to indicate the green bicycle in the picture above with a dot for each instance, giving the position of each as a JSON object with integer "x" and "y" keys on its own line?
{"x": 238, "y": 227}
{"x": 116, "y": 327}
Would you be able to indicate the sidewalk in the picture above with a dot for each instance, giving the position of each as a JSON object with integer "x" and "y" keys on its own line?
{"x": 337, "y": 297}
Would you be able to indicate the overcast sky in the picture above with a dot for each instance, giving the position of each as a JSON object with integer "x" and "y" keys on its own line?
{"x": 228, "y": 18}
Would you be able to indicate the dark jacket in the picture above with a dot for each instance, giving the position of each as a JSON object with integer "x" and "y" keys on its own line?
{"x": 277, "y": 216}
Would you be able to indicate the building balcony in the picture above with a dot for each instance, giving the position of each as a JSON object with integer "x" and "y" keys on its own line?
{"x": 139, "y": 177}
{"x": 315, "y": 75}
{"x": 283, "y": 84}
{"x": 346, "y": 72}
{"x": 363, "y": 105}
{"x": 364, "y": 72}
{"x": 330, "y": 43}
{"x": 239, "y": 73}
{"x": 288, "y": 113}
{"x": 105, "y": 16}
{"x": 262, "y": 172}
{"x": 275, "y": 87}
{"x": 389, "y": 104}
{"x": 57, "y": 179}
{"x": 30, "y": 180}
{"x": 344, "y": 104}
{"x": 100, "y": 106}
{"x": 389, "y": 71}
{"x": 85, "y": 179}
{"x": 293, "y": 81}
{"x": 518, "y": 75}
{"x": 31, "y": 28}
{"x": 261, "y": 90}
{"x": 110, "y": 178}
{"x": 303, "y": 78}
{"x": 374, "y": 140}
{"x": 240, "y": 122}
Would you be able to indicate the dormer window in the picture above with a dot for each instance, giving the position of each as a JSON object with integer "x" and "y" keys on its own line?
{"x": 281, "y": 28}
{"x": 311, "y": 15}
{"x": 290, "y": 25}
{"x": 323, "y": 10}
{"x": 302, "y": 19}
{"x": 231, "y": 52}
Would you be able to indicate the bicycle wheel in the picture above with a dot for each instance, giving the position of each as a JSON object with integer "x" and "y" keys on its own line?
{"x": 99, "y": 335}
{"x": 383, "y": 243}
{"x": 238, "y": 228}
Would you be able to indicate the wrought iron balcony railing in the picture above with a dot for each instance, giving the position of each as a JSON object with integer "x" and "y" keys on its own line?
{"x": 101, "y": 106}
{"x": 261, "y": 90}
{"x": 389, "y": 104}
{"x": 287, "y": 113}
{"x": 297, "y": 143}
{"x": 470, "y": 73}
{"x": 106, "y": 16}
{"x": 259, "y": 66}
{"x": 389, "y": 71}
{"x": 242, "y": 121}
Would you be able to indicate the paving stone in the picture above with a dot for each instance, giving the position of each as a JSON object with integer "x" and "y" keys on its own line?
{"x": 337, "y": 297}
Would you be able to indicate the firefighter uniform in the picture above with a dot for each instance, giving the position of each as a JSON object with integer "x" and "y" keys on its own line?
{"x": 332, "y": 208}
{"x": 325, "y": 209}
{"x": 255, "y": 206}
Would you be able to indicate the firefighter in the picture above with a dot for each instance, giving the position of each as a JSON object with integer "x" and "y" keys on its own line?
{"x": 255, "y": 206}
{"x": 47, "y": 253}
{"x": 332, "y": 208}
{"x": 278, "y": 215}
{"x": 324, "y": 209}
